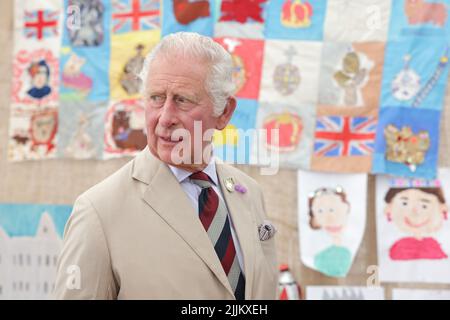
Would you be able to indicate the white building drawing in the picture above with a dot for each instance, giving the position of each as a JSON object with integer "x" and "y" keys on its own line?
{"x": 28, "y": 264}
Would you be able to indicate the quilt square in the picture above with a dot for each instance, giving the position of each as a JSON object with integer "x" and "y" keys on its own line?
{"x": 290, "y": 72}
{"x": 357, "y": 21}
{"x": 407, "y": 142}
{"x": 295, "y": 19}
{"x": 247, "y": 55}
{"x": 186, "y": 15}
{"x": 415, "y": 74}
{"x": 351, "y": 74}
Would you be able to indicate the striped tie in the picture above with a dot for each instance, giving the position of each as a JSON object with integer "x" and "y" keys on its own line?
{"x": 214, "y": 217}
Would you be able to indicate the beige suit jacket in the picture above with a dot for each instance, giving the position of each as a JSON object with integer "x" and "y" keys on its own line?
{"x": 136, "y": 235}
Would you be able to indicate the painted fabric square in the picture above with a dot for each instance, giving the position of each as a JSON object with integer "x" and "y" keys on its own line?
{"x": 233, "y": 144}
{"x": 407, "y": 142}
{"x": 247, "y": 55}
{"x": 295, "y": 19}
{"x": 419, "y": 18}
{"x": 241, "y": 18}
{"x": 413, "y": 230}
{"x": 351, "y": 74}
{"x": 295, "y": 127}
{"x": 81, "y": 127}
{"x": 124, "y": 128}
{"x": 416, "y": 74}
{"x": 32, "y": 132}
{"x": 37, "y": 23}
{"x": 331, "y": 220}
{"x": 343, "y": 141}
{"x": 290, "y": 72}
{"x": 87, "y": 23}
{"x": 85, "y": 51}
{"x": 186, "y": 15}
{"x": 357, "y": 21}
{"x": 128, "y": 53}
{"x": 35, "y": 77}
{"x": 135, "y": 15}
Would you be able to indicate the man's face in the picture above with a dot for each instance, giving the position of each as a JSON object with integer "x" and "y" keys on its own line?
{"x": 175, "y": 98}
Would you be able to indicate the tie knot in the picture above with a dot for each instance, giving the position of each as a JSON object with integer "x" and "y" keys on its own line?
{"x": 201, "y": 179}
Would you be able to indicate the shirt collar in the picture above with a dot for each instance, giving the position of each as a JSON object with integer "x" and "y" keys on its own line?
{"x": 210, "y": 170}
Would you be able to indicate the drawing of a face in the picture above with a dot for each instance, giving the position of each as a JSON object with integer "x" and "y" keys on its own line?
{"x": 329, "y": 210}
{"x": 43, "y": 127}
{"x": 39, "y": 73}
{"x": 73, "y": 65}
{"x": 40, "y": 78}
{"x": 415, "y": 211}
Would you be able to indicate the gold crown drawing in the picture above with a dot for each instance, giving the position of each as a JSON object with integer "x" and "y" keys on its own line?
{"x": 404, "y": 146}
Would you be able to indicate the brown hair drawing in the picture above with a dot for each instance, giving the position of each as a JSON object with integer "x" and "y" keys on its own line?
{"x": 437, "y": 191}
{"x": 339, "y": 191}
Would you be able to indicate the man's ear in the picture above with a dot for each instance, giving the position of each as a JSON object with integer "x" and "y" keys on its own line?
{"x": 227, "y": 113}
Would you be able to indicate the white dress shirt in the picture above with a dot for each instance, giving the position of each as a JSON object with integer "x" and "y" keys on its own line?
{"x": 193, "y": 192}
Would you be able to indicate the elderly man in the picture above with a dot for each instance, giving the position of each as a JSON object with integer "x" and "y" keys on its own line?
{"x": 171, "y": 224}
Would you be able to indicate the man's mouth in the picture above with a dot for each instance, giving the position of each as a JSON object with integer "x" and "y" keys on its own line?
{"x": 171, "y": 140}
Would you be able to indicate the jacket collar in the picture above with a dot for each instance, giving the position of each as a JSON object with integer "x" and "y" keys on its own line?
{"x": 166, "y": 197}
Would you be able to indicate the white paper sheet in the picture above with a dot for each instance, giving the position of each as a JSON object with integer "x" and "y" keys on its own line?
{"x": 413, "y": 231}
{"x": 338, "y": 214}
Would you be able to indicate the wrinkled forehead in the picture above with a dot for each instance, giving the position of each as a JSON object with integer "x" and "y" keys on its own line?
{"x": 181, "y": 72}
{"x": 179, "y": 57}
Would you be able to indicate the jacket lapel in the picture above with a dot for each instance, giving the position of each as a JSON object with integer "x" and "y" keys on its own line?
{"x": 166, "y": 197}
{"x": 243, "y": 222}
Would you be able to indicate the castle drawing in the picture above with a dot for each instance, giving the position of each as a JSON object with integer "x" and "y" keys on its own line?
{"x": 28, "y": 263}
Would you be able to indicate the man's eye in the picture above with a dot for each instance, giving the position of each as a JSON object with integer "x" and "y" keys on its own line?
{"x": 156, "y": 99}
{"x": 404, "y": 203}
{"x": 182, "y": 100}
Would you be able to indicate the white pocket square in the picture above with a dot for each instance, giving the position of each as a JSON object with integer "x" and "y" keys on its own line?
{"x": 266, "y": 230}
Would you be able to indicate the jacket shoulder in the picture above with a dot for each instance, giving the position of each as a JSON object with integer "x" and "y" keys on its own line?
{"x": 112, "y": 188}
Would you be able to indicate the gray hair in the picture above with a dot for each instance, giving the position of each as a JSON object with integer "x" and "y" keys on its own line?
{"x": 219, "y": 82}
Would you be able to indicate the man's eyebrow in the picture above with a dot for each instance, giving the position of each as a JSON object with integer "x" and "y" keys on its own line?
{"x": 424, "y": 200}
{"x": 404, "y": 198}
{"x": 189, "y": 96}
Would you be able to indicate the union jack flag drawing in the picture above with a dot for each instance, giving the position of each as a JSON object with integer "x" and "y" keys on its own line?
{"x": 344, "y": 136}
{"x": 41, "y": 24}
{"x": 135, "y": 15}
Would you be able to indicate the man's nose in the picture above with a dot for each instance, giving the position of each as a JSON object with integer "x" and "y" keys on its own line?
{"x": 168, "y": 116}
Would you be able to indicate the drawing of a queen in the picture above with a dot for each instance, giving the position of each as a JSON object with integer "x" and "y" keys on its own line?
{"x": 328, "y": 211}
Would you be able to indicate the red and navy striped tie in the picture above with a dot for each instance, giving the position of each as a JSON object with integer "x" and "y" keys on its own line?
{"x": 213, "y": 215}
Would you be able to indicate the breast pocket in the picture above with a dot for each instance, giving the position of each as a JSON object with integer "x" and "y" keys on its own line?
{"x": 268, "y": 249}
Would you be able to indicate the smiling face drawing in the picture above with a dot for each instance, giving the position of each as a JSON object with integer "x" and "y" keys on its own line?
{"x": 328, "y": 210}
{"x": 416, "y": 211}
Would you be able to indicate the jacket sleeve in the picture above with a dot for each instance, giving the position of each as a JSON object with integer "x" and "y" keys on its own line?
{"x": 84, "y": 268}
